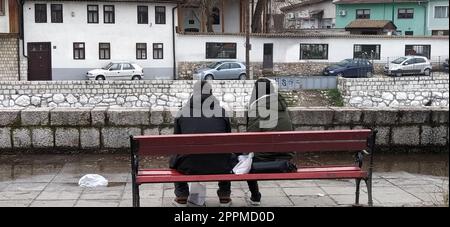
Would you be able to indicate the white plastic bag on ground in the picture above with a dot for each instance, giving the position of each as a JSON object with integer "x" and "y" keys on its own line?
{"x": 245, "y": 164}
{"x": 92, "y": 181}
{"x": 197, "y": 193}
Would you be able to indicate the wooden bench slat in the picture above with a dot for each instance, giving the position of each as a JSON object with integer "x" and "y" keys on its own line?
{"x": 244, "y": 138}
{"x": 301, "y": 175}
{"x": 254, "y": 147}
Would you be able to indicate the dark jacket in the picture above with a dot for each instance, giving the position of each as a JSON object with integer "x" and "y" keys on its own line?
{"x": 283, "y": 123}
{"x": 202, "y": 163}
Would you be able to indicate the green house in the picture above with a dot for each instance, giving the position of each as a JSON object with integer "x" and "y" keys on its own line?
{"x": 409, "y": 16}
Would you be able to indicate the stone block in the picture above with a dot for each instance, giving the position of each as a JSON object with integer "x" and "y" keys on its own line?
{"x": 89, "y": 138}
{"x": 409, "y": 136}
{"x": 9, "y": 117}
{"x": 414, "y": 116}
{"x": 42, "y": 137}
{"x": 35, "y": 117}
{"x": 383, "y": 136}
{"x": 379, "y": 116}
{"x": 21, "y": 138}
{"x": 151, "y": 132}
{"x": 67, "y": 137}
{"x": 439, "y": 116}
{"x": 157, "y": 116}
{"x": 113, "y": 137}
{"x": 5, "y": 138}
{"x": 70, "y": 116}
{"x": 131, "y": 117}
{"x": 347, "y": 116}
{"x": 98, "y": 116}
{"x": 434, "y": 135}
{"x": 311, "y": 116}
{"x": 167, "y": 131}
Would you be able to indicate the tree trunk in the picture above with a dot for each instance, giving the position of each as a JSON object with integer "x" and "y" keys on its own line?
{"x": 257, "y": 15}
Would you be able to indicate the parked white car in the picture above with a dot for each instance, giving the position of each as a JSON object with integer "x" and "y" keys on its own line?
{"x": 409, "y": 65}
{"x": 117, "y": 71}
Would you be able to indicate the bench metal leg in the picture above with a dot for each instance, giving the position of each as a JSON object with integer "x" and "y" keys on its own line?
{"x": 136, "y": 197}
{"x": 358, "y": 186}
{"x": 369, "y": 190}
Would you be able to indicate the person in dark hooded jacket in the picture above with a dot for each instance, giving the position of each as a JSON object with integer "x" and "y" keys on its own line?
{"x": 193, "y": 119}
{"x": 267, "y": 112}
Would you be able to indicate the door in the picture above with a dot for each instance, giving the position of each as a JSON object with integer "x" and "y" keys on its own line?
{"x": 222, "y": 72}
{"x": 128, "y": 71}
{"x": 408, "y": 66}
{"x": 236, "y": 70}
{"x": 114, "y": 72}
{"x": 39, "y": 61}
{"x": 268, "y": 56}
{"x": 351, "y": 69}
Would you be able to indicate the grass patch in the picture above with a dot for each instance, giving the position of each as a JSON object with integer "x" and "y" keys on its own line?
{"x": 335, "y": 97}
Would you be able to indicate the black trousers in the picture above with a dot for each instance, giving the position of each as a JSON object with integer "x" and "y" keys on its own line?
{"x": 182, "y": 189}
{"x": 253, "y": 187}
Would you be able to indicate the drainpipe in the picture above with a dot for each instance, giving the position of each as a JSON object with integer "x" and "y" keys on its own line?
{"x": 426, "y": 17}
{"x": 21, "y": 33}
{"x": 173, "y": 44}
{"x": 19, "y": 4}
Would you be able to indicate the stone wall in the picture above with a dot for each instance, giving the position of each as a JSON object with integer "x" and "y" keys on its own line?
{"x": 8, "y": 58}
{"x": 103, "y": 129}
{"x": 394, "y": 92}
{"x": 155, "y": 93}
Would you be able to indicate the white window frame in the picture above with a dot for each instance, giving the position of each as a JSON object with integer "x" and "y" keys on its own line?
{"x": 434, "y": 12}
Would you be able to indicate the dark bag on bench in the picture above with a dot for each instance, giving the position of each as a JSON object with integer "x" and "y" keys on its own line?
{"x": 273, "y": 167}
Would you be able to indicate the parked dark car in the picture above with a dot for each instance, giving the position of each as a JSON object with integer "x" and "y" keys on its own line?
{"x": 350, "y": 68}
{"x": 446, "y": 65}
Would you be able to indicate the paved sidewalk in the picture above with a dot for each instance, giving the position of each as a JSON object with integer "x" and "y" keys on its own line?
{"x": 43, "y": 183}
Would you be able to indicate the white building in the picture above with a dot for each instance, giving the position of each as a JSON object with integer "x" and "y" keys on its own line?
{"x": 310, "y": 14}
{"x": 65, "y": 39}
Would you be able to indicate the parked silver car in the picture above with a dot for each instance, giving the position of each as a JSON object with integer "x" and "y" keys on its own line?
{"x": 224, "y": 70}
{"x": 117, "y": 71}
{"x": 409, "y": 65}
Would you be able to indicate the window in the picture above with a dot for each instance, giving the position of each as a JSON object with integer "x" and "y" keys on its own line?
{"x": 127, "y": 67}
{"x": 224, "y": 66}
{"x": 439, "y": 32}
{"x": 313, "y": 51}
{"x": 235, "y": 66}
{"x": 405, "y": 13}
{"x": 115, "y": 67}
{"x": 363, "y": 14}
{"x": 57, "y": 13}
{"x": 141, "y": 50}
{"x": 2, "y": 7}
{"x": 409, "y": 33}
{"x": 79, "y": 51}
{"x": 367, "y": 51}
{"x": 40, "y": 13}
{"x": 142, "y": 12}
{"x": 158, "y": 51}
{"x": 441, "y": 12}
{"x": 160, "y": 14}
{"x": 419, "y": 60}
{"x": 216, "y": 15}
{"x": 92, "y": 14}
{"x": 422, "y": 50}
{"x": 221, "y": 50}
{"x": 108, "y": 14}
{"x": 104, "y": 51}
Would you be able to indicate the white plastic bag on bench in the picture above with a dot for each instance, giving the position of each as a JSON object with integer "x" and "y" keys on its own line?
{"x": 245, "y": 164}
{"x": 197, "y": 193}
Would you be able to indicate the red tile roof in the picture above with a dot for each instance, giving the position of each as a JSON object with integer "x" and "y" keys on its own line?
{"x": 365, "y": 23}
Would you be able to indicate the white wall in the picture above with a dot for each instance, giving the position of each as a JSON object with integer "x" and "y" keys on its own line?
{"x": 123, "y": 36}
{"x": 4, "y": 20}
{"x": 287, "y": 50}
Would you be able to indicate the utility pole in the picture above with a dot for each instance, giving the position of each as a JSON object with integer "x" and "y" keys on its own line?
{"x": 247, "y": 39}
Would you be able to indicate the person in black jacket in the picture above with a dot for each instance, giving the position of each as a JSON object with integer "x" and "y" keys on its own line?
{"x": 193, "y": 119}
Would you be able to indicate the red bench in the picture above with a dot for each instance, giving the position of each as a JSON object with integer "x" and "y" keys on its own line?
{"x": 360, "y": 141}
